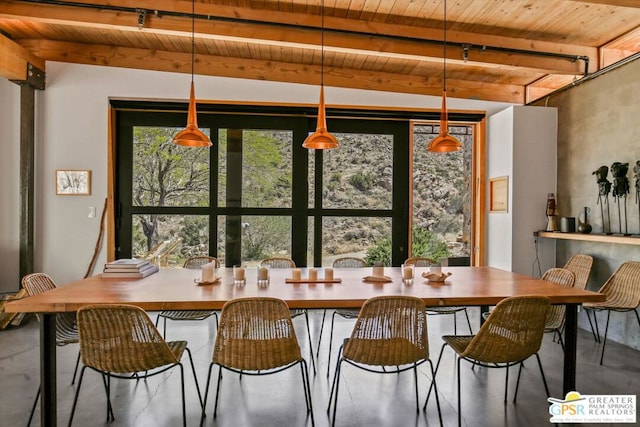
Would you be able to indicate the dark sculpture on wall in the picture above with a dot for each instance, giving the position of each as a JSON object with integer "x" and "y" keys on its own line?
{"x": 621, "y": 189}
{"x": 604, "y": 188}
{"x": 636, "y": 174}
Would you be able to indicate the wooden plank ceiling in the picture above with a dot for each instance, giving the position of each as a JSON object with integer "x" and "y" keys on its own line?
{"x": 498, "y": 50}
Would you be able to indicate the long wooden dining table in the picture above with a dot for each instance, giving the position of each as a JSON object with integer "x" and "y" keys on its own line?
{"x": 177, "y": 289}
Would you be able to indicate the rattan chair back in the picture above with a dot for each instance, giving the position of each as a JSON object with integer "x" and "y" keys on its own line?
{"x": 120, "y": 339}
{"x": 66, "y": 325}
{"x": 622, "y": 289}
{"x": 562, "y": 277}
{"x": 420, "y": 261}
{"x": 256, "y": 334}
{"x": 196, "y": 262}
{"x": 349, "y": 262}
{"x": 390, "y": 331}
{"x": 512, "y": 332}
{"x": 580, "y": 265}
{"x": 278, "y": 263}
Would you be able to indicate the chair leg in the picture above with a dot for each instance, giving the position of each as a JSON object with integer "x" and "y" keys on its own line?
{"x": 307, "y": 390}
{"x": 75, "y": 398}
{"x": 336, "y": 380}
{"x": 544, "y": 379}
{"x": 560, "y": 340}
{"x": 313, "y": 360}
{"x": 455, "y": 323}
{"x": 468, "y": 321}
{"x": 333, "y": 318}
{"x": 206, "y": 395}
{"x": 324, "y": 313}
{"x": 506, "y": 384}
{"x": 459, "y": 397}
{"x": 106, "y": 382}
{"x": 195, "y": 377}
{"x": 33, "y": 408}
{"x": 432, "y": 386}
{"x": 515, "y": 394}
{"x": 595, "y": 321}
{"x": 415, "y": 378}
{"x": 184, "y": 406}
{"x": 215, "y": 406}
{"x": 75, "y": 370}
{"x": 593, "y": 331}
{"x": 333, "y": 383}
{"x": 606, "y": 330}
{"x": 435, "y": 391}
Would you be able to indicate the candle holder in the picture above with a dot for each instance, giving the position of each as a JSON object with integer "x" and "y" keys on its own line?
{"x": 408, "y": 273}
{"x": 239, "y": 275}
{"x": 263, "y": 275}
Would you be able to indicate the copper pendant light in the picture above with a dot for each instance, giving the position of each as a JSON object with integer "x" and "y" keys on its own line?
{"x": 321, "y": 139}
{"x": 444, "y": 143}
{"x": 191, "y": 136}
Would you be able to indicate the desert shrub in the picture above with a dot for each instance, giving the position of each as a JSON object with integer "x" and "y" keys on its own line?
{"x": 362, "y": 181}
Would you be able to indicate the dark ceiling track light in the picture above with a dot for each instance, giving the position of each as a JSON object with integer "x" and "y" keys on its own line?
{"x": 444, "y": 143}
{"x": 191, "y": 136}
{"x": 321, "y": 139}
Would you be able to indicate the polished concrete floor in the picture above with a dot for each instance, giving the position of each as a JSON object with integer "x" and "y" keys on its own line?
{"x": 277, "y": 400}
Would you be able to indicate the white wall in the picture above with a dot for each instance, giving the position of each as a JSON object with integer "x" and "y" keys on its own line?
{"x": 522, "y": 145}
{"x": 9, "y": 186}
{"x": 71, "y": 123}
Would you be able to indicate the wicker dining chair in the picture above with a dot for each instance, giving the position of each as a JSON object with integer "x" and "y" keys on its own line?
{"x": 279, "y": 262}
{"x": 121, "y": 341}
{"x": 580, "y": 265}
{"x": 555, "y": 319}
{"x": 391, "y": 331}
{"x": 346, "y": 313}
{"x": 66, "y": 325}
{"x": 622, "y": 292}
{"x": 195, "y": 262}
{"x": 511, "y": 334}
{"x": 427, "y": 262}
{"x": 256, "y": 337}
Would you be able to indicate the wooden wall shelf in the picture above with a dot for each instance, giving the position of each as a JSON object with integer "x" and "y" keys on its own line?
{"x": 594, "y": 237}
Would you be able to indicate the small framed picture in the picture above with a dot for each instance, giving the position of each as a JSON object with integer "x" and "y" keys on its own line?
{"x": 73, "y": 182}
{"x": 499, "y": 194}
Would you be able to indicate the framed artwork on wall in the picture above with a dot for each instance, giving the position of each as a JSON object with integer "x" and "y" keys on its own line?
{"x": 499, "y": 194}
{"x": 73, "y": 182}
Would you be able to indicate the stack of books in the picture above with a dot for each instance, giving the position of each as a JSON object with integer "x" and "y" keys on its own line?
{"x": 129, "y": 268}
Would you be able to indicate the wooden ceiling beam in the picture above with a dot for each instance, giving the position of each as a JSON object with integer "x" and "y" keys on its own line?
{"x": 342, "y": 34}
{"x": 15, "y": 60}
{"x": 269, "y": 70}
{"x": 622, "y": 3}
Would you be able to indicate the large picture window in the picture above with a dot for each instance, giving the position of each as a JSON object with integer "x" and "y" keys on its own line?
{"x": 256, "y": 193}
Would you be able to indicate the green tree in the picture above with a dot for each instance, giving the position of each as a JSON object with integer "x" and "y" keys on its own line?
{"x": 165, "y": 174}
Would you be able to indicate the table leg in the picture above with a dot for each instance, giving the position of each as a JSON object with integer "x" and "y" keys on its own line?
{"x": 570, "y": 343}
{"x": 48, "y": 409}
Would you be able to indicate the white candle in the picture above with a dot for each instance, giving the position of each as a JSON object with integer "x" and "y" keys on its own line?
{"x": 263, "y": 273}
{"x": 238, "y": 273}
{"x": 378, "y": 270}
{"x": 328, "y": 273}
{"x": 296, "y": 274}
{"x": 436, "y": 269}
{"x": 313, "y": 274}
{"x": 208, "y": 272}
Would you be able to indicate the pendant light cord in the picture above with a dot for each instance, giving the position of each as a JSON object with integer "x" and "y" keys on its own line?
{"x": 193, "y": 38}
{"x": 322, "y": 45}
{"x": 444, "y": 49}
